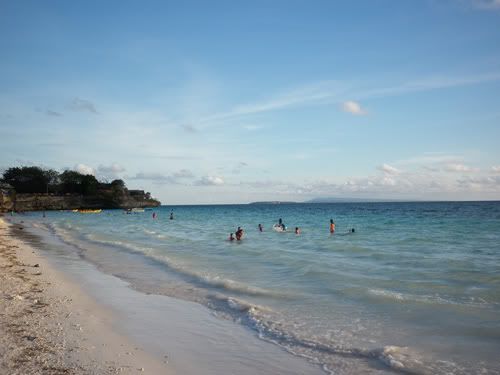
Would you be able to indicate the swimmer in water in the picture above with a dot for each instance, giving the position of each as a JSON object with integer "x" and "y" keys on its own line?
{"x": 297, "y": 230}
{"x": 281, "y": 224}
{"x": 332, "y": 226}
{"x": 239, "y": 234}
{"x": 261, "y": 229}
{"x": 171, "y": 215}
{"x": 231, "y": 238}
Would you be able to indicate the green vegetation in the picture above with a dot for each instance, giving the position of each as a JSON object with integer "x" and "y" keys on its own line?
{"x": 39, "y": 180}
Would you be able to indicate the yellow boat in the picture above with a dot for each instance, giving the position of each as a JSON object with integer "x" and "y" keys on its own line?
{"x": 88, "y": 211}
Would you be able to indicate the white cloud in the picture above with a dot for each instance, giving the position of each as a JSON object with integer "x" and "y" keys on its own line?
{"x": 460, "y": 168}
{"x": 210, "y": 181}
{"x": 386, "y": 168}
{"x": 110, "y": 172}
{"x": 495, "y": 169}
{"x": 353, "y": 107}
{"x": 84, "y": 169}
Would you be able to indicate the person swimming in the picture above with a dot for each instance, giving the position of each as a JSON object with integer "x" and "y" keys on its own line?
{"x": 281, "y": 224}
{"x": 349, "y": 231}
{"x": 261, "y": 228}
{"x": 239, "y": 234}
{"x": 297, "y": 230}
{"x": 332, "y": 226}
{"x": 231, "y": 238}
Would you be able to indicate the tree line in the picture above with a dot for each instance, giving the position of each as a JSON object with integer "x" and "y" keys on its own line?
{"x": 40, "y": 180}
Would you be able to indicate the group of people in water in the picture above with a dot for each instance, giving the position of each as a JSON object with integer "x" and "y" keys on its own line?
{"x": 171, "y": 215}
{"x": 280, "y": 227}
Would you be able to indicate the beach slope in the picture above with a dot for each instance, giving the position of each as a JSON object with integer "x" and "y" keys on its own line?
{"x": 48, "y": 325}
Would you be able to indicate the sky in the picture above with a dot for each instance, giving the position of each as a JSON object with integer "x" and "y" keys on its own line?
{"x": 205, "y": 102}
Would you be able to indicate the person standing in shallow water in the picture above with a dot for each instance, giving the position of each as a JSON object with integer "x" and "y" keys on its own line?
{"x": 171, "y": 215}
{"x": 332, "y": 226}
{"x": 281, "y": 224}
{"x": 261, "y": 229}
{"x": 239, "y": 234}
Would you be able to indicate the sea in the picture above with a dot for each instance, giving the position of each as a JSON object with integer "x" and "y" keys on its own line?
{"x": 414, "y": 290}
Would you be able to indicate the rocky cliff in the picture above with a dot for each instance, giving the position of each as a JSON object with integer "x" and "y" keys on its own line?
{"x": 104, "y": 199}
{"x": 7, "y": 197}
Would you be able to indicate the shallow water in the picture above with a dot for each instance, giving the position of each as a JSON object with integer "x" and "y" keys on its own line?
{"x": 416, "y": 288}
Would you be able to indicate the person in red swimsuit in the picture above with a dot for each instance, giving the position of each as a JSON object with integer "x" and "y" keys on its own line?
{"x": 332, "y": 226}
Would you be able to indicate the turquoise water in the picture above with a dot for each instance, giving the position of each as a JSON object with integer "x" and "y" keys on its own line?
{"x": 416, "y": 289}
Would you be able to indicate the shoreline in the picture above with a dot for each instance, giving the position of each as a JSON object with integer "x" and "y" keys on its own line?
{"x": 97, "y": 323}
{"x": 50, "y": 325}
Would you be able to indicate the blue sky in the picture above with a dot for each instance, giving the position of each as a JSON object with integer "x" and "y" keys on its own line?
{"x": 232, "y": 102}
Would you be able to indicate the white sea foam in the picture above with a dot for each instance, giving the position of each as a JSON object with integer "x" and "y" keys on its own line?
{"x": 429, "y": 299}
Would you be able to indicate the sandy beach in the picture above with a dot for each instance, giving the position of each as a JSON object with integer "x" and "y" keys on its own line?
{"x": 62, "y": 315}
{"x": 48, "y": 325}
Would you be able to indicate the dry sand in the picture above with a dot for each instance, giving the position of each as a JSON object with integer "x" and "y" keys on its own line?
{"x": 48, "y": 325}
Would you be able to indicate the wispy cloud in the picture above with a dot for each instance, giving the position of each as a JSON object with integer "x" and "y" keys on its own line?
{"x": 486, "y": 4}
{"x": 158, "y": 178}
{"x": 386, "y": 168}
{"x": 330, "y": 91}
{"x": 178, "y": 177}
{"x": 82, "y": 105}
{"x": 461, "y": 168}
{"x": 428, "y": 84}
{"x": 353, "y": 107}
{"x": 309, "y": 94}
{"x": 189, "y": 128}
{"x": 209, "y": 181}
{"x": 238, "y": 167}
{"x": 49, "y": 112}
{"x": 183, "y": 173}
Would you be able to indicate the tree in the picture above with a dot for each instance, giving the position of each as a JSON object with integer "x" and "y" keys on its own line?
{"x": 52, "y": 178}
{"x": 28, "y": 179}
{"x": 118, "y": 183}
{"x": 75, "y": 182}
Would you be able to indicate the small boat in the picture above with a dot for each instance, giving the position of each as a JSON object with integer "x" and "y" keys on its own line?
{"x": 88, "y": 211}
{"x": 134, "y": 210}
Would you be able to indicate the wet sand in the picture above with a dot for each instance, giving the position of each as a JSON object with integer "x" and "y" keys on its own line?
{"x": 49, "y": 325}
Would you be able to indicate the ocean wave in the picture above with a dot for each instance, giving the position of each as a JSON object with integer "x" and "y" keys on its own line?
{"x": 327, "y": 353}
{"x": 428, "y": 299}
{"x": 193, "y": 276}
